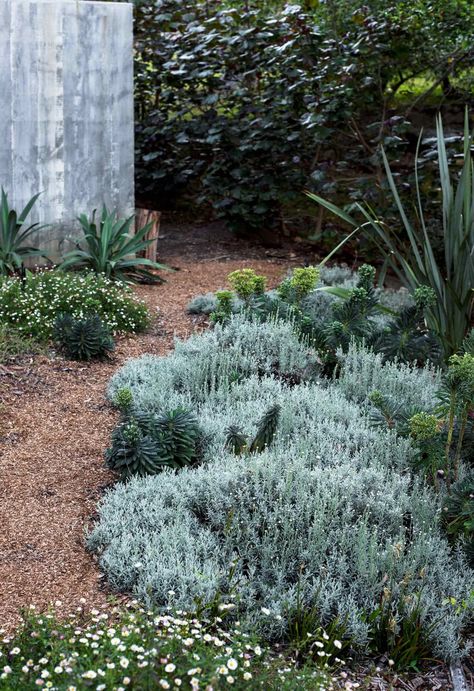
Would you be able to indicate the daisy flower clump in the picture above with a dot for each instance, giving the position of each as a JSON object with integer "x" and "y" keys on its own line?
{"x": 132, "y": 647}
{"x": 31, "y": 305}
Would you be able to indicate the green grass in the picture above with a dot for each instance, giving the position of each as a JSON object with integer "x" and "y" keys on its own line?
{"x": 14, "y": 344}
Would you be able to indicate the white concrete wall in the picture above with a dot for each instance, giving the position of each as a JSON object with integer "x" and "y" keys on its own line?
{"x": 66, "y": 109}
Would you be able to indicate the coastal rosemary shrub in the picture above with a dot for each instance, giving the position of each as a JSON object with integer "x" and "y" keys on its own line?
{"x": 328, "y": 519}
{"x": 336, "y": 540}
{"x": 202, "y": 304}
{"x": 213, "y": 360}
{"x": 437, "y": 419}
{"x": 31, "y": 305}
{"x": 363, "y": 371}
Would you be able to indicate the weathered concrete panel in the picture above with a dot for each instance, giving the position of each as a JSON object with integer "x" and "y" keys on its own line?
{"x": 66, "y": 110}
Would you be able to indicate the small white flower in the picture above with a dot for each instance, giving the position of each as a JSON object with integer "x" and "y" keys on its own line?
{"x": 170, "y": 668}
{"x": 338, "y": 644}
{"x": 232, "y": 663}
{"x": 265, "y": 610}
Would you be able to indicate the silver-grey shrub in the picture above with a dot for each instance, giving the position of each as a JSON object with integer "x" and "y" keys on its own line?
{"x": 362, "y": 371}
{"x": 213, "y": 360}
{"x": 307, "y": 412}
{"x": 202, "y": 304}
{"x": 207, "y": 303}
{"x": 329, "y": 514}
{"x": 335, "y": 540}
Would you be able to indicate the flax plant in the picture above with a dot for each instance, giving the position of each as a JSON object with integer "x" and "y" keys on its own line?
{"x": 451, "y": 276}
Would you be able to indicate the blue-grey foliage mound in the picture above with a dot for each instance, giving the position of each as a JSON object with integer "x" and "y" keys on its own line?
{"x": 214, "y": 360}
{"x": 328, "y": 517}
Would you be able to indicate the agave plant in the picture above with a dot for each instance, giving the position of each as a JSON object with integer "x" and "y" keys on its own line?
{"x": 13, "y": 236}
{"x": 111, "y": 249}
{"x": 452, "y": 277}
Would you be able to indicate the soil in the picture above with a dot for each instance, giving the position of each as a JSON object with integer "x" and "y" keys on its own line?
{"x": 55, "y": 424}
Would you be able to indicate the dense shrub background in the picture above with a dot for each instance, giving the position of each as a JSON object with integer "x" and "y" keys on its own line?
{"x": 245, "y": 104}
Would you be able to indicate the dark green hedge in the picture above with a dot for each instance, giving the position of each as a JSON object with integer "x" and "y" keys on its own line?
{"x": 242, "y": 108}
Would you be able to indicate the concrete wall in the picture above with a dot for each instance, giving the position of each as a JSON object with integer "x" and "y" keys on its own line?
{"x": 66, "y": 110}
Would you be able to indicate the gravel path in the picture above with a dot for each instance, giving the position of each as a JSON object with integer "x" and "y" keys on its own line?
{"x": 54, "y": 426}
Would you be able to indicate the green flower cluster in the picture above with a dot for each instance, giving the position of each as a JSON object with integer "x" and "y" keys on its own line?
{"x": 300, "y": 284}
{"x": 424, "y": 426}
{"x": 31, "y": 306}
{"x": 247, "y": 283}
{"x": 461, "y": 375}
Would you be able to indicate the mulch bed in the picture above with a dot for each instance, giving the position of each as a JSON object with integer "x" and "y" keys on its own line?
{"x": 55, "y": 424}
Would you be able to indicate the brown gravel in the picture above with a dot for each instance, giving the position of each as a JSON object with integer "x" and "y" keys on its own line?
{"x": 54, "y": 426}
